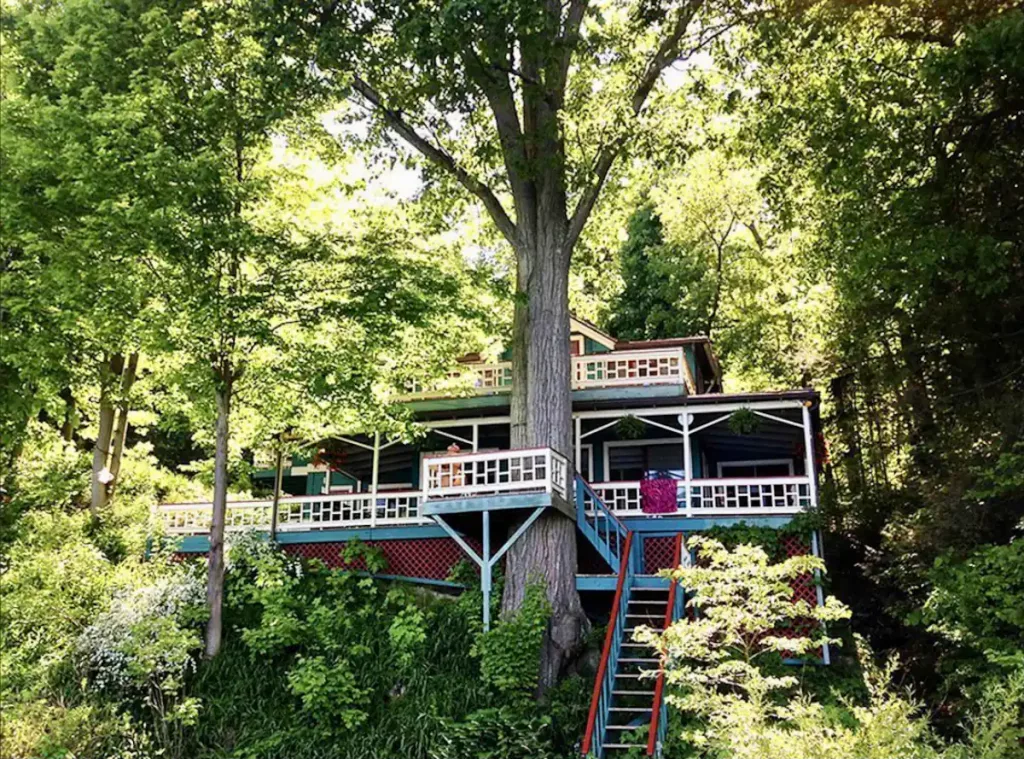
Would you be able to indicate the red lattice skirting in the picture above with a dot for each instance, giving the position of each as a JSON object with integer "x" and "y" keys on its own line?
{"x": 421, "y": 558}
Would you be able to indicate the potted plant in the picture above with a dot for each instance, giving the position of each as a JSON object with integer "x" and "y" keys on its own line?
{"x": 744, "y": 422}
{"x": 630, "y": 428}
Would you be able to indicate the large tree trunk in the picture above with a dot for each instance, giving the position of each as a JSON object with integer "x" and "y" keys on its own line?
{"x": 542, "y": 416}
{"x": 215, "y": 578}
{"x": 109, "y": 369}
{"x": 121, "y": 425}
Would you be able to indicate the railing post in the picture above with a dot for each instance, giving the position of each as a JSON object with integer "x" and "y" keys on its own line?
{"x": 811, "y": 472}
{"x": 374, "y": 480}
{"x": 687, "y": 462}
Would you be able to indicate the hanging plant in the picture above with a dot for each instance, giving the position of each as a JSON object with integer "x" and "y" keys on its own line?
{"x": 744, "y": 422}
{"x": 630, "y": 428}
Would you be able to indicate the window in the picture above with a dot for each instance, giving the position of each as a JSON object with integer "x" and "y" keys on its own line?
{"x": 762, "y": 468}
{"x": 575, "y": 345}
{"x": 634, "y": 462}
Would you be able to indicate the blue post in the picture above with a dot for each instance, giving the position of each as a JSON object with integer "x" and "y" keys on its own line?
{"x": 485, "y": 571}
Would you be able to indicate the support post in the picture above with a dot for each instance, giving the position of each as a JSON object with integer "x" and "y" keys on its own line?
{"x": 485, "y": 570}
{"x": 374, "y": 479}
{"x": 579, "y": 445}
{"x": 826, "y": 655}
{"x": 476, "y": 437}
{"x": 687, "y": 462}
{"x": 810, "y": 471}
{"x": 278, "y": 476}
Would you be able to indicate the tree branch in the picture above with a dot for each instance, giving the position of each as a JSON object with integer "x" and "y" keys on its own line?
{"x": 439, "y": 157}
{"x": 668, "y": 52}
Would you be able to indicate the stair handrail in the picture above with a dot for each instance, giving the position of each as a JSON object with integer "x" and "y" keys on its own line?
{"x": 602, "y": 684}
{"x": 659, "y": 715}
{"x": 614, "y": 528}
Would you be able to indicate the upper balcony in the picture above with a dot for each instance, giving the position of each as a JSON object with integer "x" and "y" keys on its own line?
{"x": 667, "y": 367}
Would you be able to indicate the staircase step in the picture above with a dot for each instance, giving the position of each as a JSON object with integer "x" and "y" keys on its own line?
{"x": 632, "y": 692}
{"x": 637, "y": 645}
{"x": 624, "y": 745}
{"x": 644, "y": 709}
{"x": 639, "y": 661}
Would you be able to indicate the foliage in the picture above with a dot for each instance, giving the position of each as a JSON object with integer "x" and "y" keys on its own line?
{"x": 503, "y": 733}
{"x": 744, "y": 422}
{"x": 630, "y": 428}
{"x": 327, "y": 624}
{"x": 509, "y": 652}
{"x": 990, "y": 579}
{"x": 744, "y": 612}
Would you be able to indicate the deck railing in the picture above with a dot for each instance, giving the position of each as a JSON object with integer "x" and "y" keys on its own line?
{"x": 659, "y": 366}
{"x": 491, "y": 473}
{"x": 465, "y": 475}
{"x": 298, "y": 513}
{"x": 740, "y": 495}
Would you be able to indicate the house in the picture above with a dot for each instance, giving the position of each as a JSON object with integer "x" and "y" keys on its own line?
{"x": 660, "y": 452}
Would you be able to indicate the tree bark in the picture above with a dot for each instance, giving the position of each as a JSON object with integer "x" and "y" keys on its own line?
{"x": 542, "y": 416}
{"x": 215, "y": 577}
{"x": 67, "y": 429}
{"x": 121, "y": 425}
{"x": 101, "y": 450}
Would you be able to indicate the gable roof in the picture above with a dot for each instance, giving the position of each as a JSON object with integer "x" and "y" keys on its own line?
{"x": 585, "y": 328}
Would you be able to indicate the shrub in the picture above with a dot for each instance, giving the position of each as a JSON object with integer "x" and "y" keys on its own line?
{"x": 497, "y": 733}
{"x": 509, "y": 653}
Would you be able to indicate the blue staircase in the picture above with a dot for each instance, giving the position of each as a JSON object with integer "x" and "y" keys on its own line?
{"x": 625, "y": 703}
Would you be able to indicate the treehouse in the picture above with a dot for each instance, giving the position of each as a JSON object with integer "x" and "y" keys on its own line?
{"x": 660, "y": 452}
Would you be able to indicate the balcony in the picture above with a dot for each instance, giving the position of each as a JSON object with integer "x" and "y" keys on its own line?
{"x": 754, "y": 496}
{"x": 521, "y": 478}
{"x": 631, "y": 368}
{"x": 299, "y": 513}
{"x": 516, "y": 478}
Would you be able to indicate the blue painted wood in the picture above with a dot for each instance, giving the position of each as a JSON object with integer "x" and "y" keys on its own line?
{"x": 632, "y": 567}
{"x": 201, "y": 544}
{"x": 639, "y": 393}
{"x": 672, "y": 525}
{"x": 486, "y": 503}
{"x": 596, "y": 582}
{"x": 603, "y": 529}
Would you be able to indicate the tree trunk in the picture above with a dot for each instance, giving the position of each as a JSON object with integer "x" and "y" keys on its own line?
{"x": 215, "y": 578}
{"x": 67, "y": 429}
{"x": 121, "y": 426}
{"x": 101, "y": 450}
{"x": 542, "y": 416}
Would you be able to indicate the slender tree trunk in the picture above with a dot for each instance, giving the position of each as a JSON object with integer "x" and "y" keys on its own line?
{"x": 215, "y": 578}
{"x": 121, "y": 425}
{"x": 101, "y": 450}
{"x": 547, "y": 552}
{"x": 67, "y": 429}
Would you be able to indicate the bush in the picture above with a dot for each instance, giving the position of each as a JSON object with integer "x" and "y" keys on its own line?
{"x": 509, "y": 653}
{"x": 498, "y": 733}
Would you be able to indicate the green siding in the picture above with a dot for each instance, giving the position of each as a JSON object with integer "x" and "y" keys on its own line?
{"x": 691, "y": 360}
{"x": 315, "y": 483}
{"x": 592, "y": 346}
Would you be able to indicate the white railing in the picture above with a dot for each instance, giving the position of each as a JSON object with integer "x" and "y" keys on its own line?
{"x": 640, "y": 367}
{"x": 299, "y": 513}
{"x": 622, "y": 498}
{"x": 740, "y": 496}
{"x": 753, "y": 495}
{"x": 659, "y": 366}
{"x": 466, "y": 475}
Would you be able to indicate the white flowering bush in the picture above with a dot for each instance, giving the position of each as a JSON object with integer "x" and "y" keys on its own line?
{"x": 144, "y": 644}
